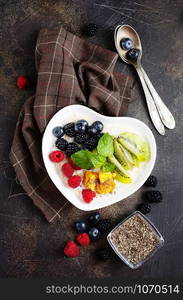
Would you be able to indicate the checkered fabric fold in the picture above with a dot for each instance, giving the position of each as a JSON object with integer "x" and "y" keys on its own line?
{"x": 70, "y": 71}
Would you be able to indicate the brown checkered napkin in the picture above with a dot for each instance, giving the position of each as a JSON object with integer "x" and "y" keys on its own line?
{"x": 70, "y": 71}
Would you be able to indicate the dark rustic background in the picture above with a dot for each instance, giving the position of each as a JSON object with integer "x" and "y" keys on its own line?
{"x": 29, "y": 246}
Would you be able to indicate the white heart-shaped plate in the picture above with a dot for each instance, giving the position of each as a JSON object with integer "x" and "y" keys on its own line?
{"x": 113, "y": 125}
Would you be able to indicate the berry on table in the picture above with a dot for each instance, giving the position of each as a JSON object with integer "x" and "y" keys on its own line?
{"x": 80, "y": 138}
{"x": 88, "y": 195}
{"x": 73, "y": 165}
{"x": 153, "y": 196}
{"x": 133, "y": 54}
{"x": 71, "y": 149}
{"x": 61, "y": 144}
{"x": 104, "y": 225}
{"x": 94, "y": 233}
{"x": 56, "y": 156}
{"x": 151, "y": 181}
{"x": 83, "y": 239}
{"x": 67, "y": 170}
{"x": 81, "y": 126}
{"x": 103, "y": 253}
{"x": 144, "y": 208}
{"x": 74, "y": 181}
{"x": 126, "y": 44}
{"x": 90, "y": 30}
{"x": 80, "y": 226}
{"x": 94, "y": 218}
{"x": 69, "y": 129}
{"x": 98, "y": 126}
{"x": 23, "y": 82}
{"x": 71, "y": 249}
{"x": 58, "y": 132}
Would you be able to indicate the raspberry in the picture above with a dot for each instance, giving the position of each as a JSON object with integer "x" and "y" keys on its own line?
{"x": 71, "y": 249}
{"x": 88, "y": 195}
{"x": 56, "y": 156}
{"x": 73, "y": 165}
{"x": 74, "y": 181}
{"x": 67, "y": 170}
{"x": 23, "y": 82}
{"x": 83, "y": 239}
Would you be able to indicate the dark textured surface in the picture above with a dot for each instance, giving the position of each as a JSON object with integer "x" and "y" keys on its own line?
{"x": 29, "y": 246}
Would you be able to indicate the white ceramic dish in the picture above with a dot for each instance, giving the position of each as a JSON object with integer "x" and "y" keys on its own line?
{"x": 113, "y": 125}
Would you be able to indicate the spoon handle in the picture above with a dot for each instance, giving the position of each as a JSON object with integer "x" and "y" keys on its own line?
{"x": 151, "y": 105}
{"x": 165, "y": 114}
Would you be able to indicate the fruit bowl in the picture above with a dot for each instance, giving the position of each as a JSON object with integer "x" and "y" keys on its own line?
{"x": 112, "y": 125}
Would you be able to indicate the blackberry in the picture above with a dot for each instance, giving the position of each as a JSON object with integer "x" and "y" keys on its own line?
{"x": 80, "y": 138}
{"x": 72, "y": 148}
{"x": 91, "y": 143}
{"x": 69, "y": 129}
{"x": 104, "y": 225}
{"x": 144, "y": 208}
{"x": 90, "y": 30}
{"x": 153, "y": 196}
{"x": 103, "y": 253}
{"x": 61, "y": 144}
{"x": 151, "y": 181}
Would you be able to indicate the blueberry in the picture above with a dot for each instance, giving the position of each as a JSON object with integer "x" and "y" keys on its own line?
{"x": 98, "y": 126}
{"x": 80, "y": 226}
{"x": 94, "y": 233}
{"x": 126, "y": 44}
{"x": 81, "y": 126}
{"x": 92, "y": 130}
{"x": 95, "y": 218}
{"x": 133, "y": 54}
{"x": 58, "y": 132}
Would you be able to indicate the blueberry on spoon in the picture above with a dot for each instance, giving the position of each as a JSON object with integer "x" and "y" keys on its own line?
{"x": 126, "y": 44}
{"x": 133, "y": 54}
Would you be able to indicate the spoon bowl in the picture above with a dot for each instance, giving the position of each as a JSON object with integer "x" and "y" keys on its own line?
{"x": 158, "y": 111}
{"x": 126, "y": 31}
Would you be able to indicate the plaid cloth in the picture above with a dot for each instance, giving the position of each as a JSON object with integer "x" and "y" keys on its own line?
{"x": 70, "y": 71}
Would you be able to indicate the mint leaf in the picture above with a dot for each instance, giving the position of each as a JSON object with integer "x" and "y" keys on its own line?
{"x": 82, "y": 160}
{"x": 96, "y": 159}
{"x": 108, "y": 167}
{"x": 105, "y": 145}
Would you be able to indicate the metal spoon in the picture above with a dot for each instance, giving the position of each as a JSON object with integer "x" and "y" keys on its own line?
{"x": 154, "y": 101}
